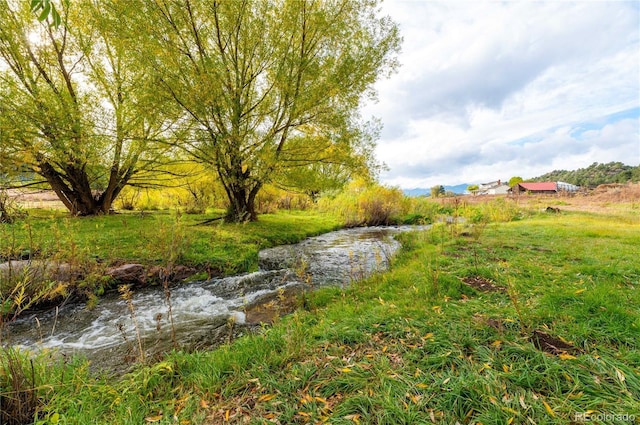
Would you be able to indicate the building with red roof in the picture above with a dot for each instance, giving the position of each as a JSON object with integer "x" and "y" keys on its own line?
{"x": 536, "y": 187}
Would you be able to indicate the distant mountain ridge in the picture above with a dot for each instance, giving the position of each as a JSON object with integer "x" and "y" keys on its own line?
{"x": 457, "y": 189}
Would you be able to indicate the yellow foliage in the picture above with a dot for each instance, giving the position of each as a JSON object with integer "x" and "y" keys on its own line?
{"x": 362, "y": 203}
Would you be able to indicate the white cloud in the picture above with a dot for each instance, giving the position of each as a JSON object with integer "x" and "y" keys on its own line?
{"x": 488, "y": 90}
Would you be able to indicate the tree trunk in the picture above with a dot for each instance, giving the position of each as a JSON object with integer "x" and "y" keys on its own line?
{"x": 240, "y": 186}
{"x": 241, "y": 204}
{"x": 74, "y": 190}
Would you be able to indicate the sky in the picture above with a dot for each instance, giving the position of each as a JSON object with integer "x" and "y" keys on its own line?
{"x": 490, "y": 90}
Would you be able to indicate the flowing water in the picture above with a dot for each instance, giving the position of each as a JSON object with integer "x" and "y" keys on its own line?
{"x": 208, "y": 312}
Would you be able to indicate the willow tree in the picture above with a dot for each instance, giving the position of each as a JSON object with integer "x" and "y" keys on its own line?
{"x": 75, "y": 108}
{"x": 255, "y": 78}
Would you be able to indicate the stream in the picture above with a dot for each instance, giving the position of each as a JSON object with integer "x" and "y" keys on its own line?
{"x": 210, "y": 312}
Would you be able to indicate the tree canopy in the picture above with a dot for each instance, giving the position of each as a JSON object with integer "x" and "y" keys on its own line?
{"x": 266, "y": 87}
{"x": 515, "y": 180}
{"x": 75, "y": 106}
{"x": 437, "y": 191}
{"x": 95, "y": 93}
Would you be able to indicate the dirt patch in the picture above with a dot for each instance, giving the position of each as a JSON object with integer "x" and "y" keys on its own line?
{"x": 551, "y": 344}
{"x": 27, "y": 198}
{"x": 483, "y": 285}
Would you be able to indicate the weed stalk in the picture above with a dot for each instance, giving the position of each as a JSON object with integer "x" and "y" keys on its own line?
{"x": 513, "y": 297}
{"x": 127, "y": 295}
{"x": 477, "y": 230}
{"x": 167, "y": 298}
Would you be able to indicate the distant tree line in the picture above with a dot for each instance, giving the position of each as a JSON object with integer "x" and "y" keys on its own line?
{"x": 594, "y": 175}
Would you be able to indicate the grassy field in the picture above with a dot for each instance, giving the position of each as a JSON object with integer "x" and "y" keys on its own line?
{"x": 530, "y": 321}
{"x": 156, "y": 237}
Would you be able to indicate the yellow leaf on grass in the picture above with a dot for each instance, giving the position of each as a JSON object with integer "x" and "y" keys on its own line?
{"x": 565, "y": 356}
{"x": 266, "y": 397}
{"x": 345, "y": 370}
{"x": 183, "y": 399}
{"x": 505, "y": 368}
{"x": 484, "y": 366}
{"x": 580, "y": 291}
{"x": 355, "y": 418}
{"x": 415, "y": 398}
{"x": 522, "y": 403}
{"x": 548, "y": 408}
{"x": 496, "y": 343}
{"x": 156, "y": 418}
{"x": 204, "y": 404}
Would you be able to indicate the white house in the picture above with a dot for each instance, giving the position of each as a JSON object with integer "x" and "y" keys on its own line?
{"x": 493, "y": 188}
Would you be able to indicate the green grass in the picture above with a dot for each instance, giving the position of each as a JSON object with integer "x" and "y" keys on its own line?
{"x": 415, "y": 345}
{"x": 156, "y": 237}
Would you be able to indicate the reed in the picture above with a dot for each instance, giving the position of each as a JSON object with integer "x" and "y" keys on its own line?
{"x": 127, "y": 296}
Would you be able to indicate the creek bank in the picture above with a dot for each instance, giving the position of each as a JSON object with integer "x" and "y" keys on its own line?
{"x": 201, "y": 315}
{"x": 39, "y": 271}
{"x": 51, "y": 284}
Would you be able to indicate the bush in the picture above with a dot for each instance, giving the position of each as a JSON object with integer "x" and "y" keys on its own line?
{"x": 9, "y": 211}
{"x": 368, "y": 205}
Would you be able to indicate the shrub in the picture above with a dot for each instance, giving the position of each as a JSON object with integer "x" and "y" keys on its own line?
{"x": 368, "y": 205}
{"x": 9, "y": 210}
